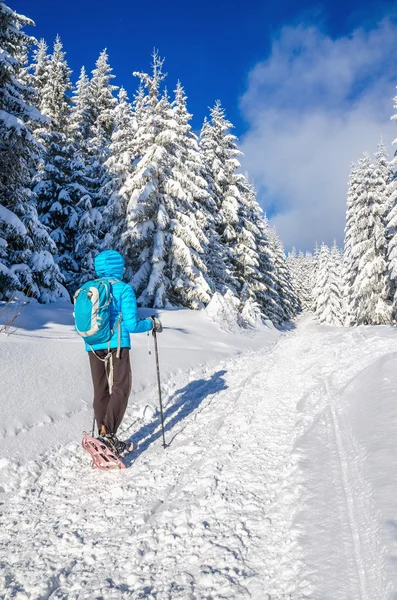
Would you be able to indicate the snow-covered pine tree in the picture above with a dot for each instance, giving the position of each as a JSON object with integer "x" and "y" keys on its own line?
{"x": 145, "y": 214}
{"x": 26, "y": 250}
{"x": 194, "y": 220}
{"x": 268, "y": 297}
{"x": 313, "y": 279}
{"x": 120, "y": 165}
{"x": 329, "y": 286}
{"x": 89, "y": 222}
{"x": 54, "y": 101}
{"x": 139, "y": 119}
{"x": 301, "y": 266}
{"x": 54, "y": 186}
{"x": 286, "y": 299}
{"x": 322, "y": 286}
{"x": 320, "y": 293}
{"x": 295, "y": 273}
{"x": 391, "y": 226}
{"x": 238, "y": 229}
{"x": 305, "y": 262}
{"x": 336, "y": 307}
{"x": 383, "y": 175}
{"x": 251, "y": 259}
{"x": 39, "y": 68}
{"x": 368, "y": 290}
{"x": 81, "y": 119}
{"x": 87, "y": 243}
{"x": 91, "y": 128}
{"x": 161, "y": 241}
{"x": 121, "y": 150}
{"x": 350, "y": 257}
{"x": 220, "y": 154}
{"x": 217, "y": 254}
{"x": 241, "y": 238}
{"x": 102, "y": 126}
{"x": 386, "y": 189}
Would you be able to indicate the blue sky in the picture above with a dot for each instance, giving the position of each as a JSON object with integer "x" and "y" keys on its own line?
{"x": 291, "y": 74}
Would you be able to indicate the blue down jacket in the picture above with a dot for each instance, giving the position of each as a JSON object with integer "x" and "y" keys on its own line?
{"x": 110, "y": 264}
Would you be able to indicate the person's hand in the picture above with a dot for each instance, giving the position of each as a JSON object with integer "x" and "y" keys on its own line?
{"x": 157, "y": 326}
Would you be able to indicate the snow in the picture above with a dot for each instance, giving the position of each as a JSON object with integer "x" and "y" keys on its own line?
{"x": 12, "y": 122}
{"x": 9, "y": 218}
{"x": 278, "y": 481}
{"x": 223, "y": 310}
{"x": 53, "y": 356}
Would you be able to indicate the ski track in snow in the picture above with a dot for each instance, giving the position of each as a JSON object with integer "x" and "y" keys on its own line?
{"x": 230, "y": 509}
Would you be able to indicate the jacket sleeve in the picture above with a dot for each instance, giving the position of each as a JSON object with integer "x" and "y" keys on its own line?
{"x": 129, "y": 313}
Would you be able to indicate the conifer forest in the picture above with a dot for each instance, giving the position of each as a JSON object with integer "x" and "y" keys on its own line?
{"x": 85, "y": 168}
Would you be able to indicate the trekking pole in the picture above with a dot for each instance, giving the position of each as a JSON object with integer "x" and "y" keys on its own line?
{"x": 93, "y": 427}
{"x": 159, "y": 385}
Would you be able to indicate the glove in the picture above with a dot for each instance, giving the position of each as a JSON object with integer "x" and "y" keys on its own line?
{"x": 157, "y": 326}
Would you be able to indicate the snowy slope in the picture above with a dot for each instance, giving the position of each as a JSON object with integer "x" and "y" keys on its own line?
{"x": 278, "y": 482}
{"x": 46, "y": 383}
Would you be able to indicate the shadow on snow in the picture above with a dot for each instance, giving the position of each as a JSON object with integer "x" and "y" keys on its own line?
{"x": 181, "y": 404}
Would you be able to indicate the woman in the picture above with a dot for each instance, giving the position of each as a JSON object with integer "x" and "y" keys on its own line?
{"x": 110, "y": 362}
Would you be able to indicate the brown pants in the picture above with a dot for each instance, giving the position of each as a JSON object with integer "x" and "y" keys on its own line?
{"x": 109, "y": 408}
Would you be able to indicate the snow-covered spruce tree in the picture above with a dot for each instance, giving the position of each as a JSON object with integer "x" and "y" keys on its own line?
{"x": 39, "y": 68}
{"x": 252, "y": 260}
{"x": 328, "y": 288}
{"x": 301, "y": 266}
{"x": 268, "y": 296}
{"x": 391, "y": 226}
{"x": 350, "y": 257}
{"x": 217, "y": 254}
{"x": 54, "y": 187}
{"x": 193, "y": 174}
{"x": 121, "y": 149}
{"x": 81, "y": 119}
{"x": 243, "y": 244}
{"x": 374, "y": 264}
{"x": 26, "y": 250}
{"x": 91, "y": 128}
{"x": 306, "y": 268}
{"x": 142, "y": 230}
{"x": 313, "y": 278}
{"x": 336, "y": 305}
{"x": 161, "y": 242}
{"x": 194, "y": 219}
{"x": 220, "y": 154}
{"x": 295, "y": 273}
{"x": 286, "y": 299}
{"x": 89, "y": 222}
{"x": 386, "y": 191}
{"x": 321, "y": 289}
{"x": 241, "y": 237}
{"x": 102, "y": 126}
{"x": 120, "y": 165}
{"x": 87, "y": 243}
{"x": 368, "y": 293}
{"x": 383, "y": 175}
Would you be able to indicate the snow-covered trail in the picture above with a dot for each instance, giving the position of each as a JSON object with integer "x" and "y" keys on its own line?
{"x": 261, "y": 493}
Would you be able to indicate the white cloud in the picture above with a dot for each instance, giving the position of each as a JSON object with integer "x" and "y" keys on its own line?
{"x": 314, "y": 106}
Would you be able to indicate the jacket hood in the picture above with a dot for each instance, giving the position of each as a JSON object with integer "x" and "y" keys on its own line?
{"x": 109, "y": 264}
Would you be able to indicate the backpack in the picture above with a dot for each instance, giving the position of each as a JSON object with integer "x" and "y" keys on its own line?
{"x": 92, "y": 312}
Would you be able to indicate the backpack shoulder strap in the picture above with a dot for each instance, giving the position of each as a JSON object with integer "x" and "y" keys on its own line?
{"x": 117, "y": 324}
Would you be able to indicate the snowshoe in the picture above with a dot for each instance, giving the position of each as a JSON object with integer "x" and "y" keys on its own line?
{"x": 103, "y": 457}
{"x": 118, "y": 447}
